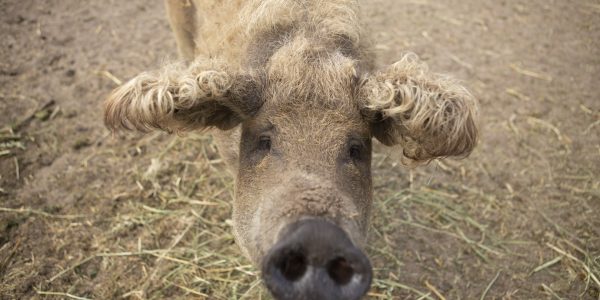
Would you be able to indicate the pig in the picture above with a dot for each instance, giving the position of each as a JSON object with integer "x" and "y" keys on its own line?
{"x": 290, "y": 94}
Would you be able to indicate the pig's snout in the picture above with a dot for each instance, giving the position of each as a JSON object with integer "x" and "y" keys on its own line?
{"x": 315, "y": 259}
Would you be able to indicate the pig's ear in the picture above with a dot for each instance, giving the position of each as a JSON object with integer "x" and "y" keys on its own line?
{"x": 428, "y": 115}
{"x": 180, "y": 98}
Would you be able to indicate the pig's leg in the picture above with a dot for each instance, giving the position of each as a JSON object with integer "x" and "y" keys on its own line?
{"x": 185, "y": 21}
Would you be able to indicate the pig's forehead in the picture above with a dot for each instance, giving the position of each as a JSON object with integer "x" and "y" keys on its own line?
{"x": 301, "y": 75}
{"x": 326, "y": 91}
{"x": 314, "y": 123}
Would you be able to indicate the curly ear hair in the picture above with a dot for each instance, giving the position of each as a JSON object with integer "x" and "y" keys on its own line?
{"x": 428, "y": 115}
{"x": 179, "y": 98}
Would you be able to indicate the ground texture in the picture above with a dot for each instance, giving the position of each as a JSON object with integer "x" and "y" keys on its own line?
{"x": 84, "y": 214}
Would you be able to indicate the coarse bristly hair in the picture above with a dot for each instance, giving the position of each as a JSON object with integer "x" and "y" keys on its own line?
{"x": 178, "y": 98}
{"x": 429, "y": 115}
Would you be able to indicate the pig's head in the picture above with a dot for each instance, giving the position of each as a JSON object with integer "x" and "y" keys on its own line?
{"x": 303, "y": 186}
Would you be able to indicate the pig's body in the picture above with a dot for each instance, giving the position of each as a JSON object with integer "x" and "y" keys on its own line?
{"x": 287, "y": 86}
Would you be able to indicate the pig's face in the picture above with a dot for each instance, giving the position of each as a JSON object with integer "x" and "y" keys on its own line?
{"x": 294, "y": 165}
{"x": 304, "y": 180}
{"x": 305, "y": 154}
{"x": 303, "y": 188}
{"x": 300, "y": 166}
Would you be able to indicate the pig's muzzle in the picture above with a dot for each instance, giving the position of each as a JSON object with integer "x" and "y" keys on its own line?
{"x": 315, "y": 259}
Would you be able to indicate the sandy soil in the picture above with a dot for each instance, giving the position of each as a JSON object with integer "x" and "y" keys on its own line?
{"x": 87, "y": 214}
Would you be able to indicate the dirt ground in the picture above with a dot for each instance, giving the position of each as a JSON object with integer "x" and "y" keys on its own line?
{"x": 84, "y": 214}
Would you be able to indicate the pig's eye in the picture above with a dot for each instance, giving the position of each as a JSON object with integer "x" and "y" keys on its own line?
{"x": 264, "y": 143}
{"x": 355, "y": 152}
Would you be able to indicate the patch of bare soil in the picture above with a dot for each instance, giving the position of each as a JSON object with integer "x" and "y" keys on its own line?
{"x": 90, "y": 215}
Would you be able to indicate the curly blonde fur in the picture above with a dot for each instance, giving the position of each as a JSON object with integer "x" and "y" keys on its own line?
{"x": 429, "y": 115}
{"x": 176, "y": 98}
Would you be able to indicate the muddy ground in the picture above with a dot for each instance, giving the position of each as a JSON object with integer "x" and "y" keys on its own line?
{"x": 84, "y": 214}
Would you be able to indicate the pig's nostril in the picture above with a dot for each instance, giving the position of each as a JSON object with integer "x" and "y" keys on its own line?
{"x": 293, "y": 265}
{"x": 340, "y": 270}
{"x": 315, "y": 259}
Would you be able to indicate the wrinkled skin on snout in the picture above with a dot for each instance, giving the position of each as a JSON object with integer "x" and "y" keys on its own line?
{"x": 297, "y": 133}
